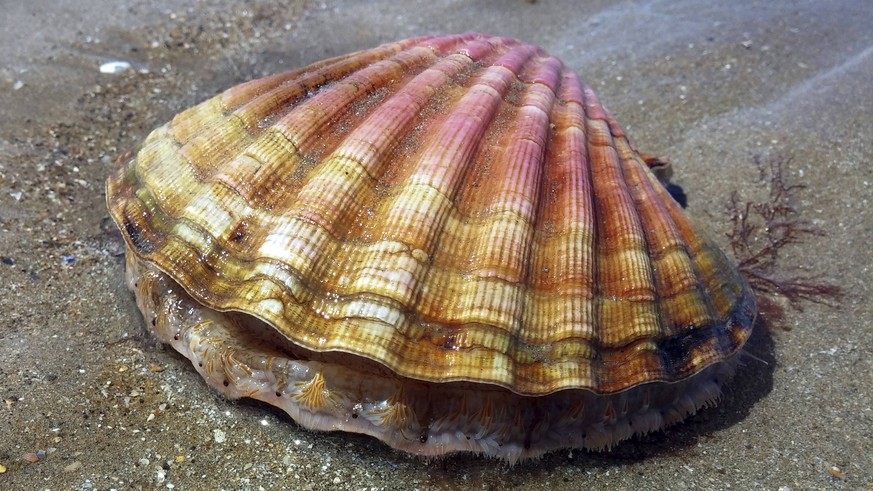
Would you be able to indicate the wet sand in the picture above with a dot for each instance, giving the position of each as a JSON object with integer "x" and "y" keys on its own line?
{"x": 92, "y": 402}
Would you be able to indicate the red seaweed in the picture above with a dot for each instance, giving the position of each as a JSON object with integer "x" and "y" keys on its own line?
{"x": 762, "y": 230}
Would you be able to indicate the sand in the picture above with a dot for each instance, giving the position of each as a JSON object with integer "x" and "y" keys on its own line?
{"x": 92, "y": 402}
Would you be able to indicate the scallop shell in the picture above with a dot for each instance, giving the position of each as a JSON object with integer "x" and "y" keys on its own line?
{"x": 444, "y": 242}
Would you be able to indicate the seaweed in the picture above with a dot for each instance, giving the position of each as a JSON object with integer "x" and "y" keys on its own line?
{"x": 760, "y": 232}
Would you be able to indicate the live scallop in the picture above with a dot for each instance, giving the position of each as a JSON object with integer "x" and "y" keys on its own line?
{"x": 444, "y": 242}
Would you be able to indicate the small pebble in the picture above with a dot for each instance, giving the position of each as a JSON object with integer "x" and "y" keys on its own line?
{"x": 30, "y": 458}
{"x": 7, "y": 260}
{"x": 73, "y": 467}
{"x": 219, "y": 435}
{"x": 114, "y": 67}
{"x": 2, "y": 468}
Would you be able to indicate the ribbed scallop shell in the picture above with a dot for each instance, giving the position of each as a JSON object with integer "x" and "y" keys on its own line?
{"x": 451, "y": 209}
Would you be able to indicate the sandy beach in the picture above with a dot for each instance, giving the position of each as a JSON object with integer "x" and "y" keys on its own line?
{"x": 91, "y": 401}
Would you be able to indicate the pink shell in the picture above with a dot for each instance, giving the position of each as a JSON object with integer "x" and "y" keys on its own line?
{"x": 445, "y": 242}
